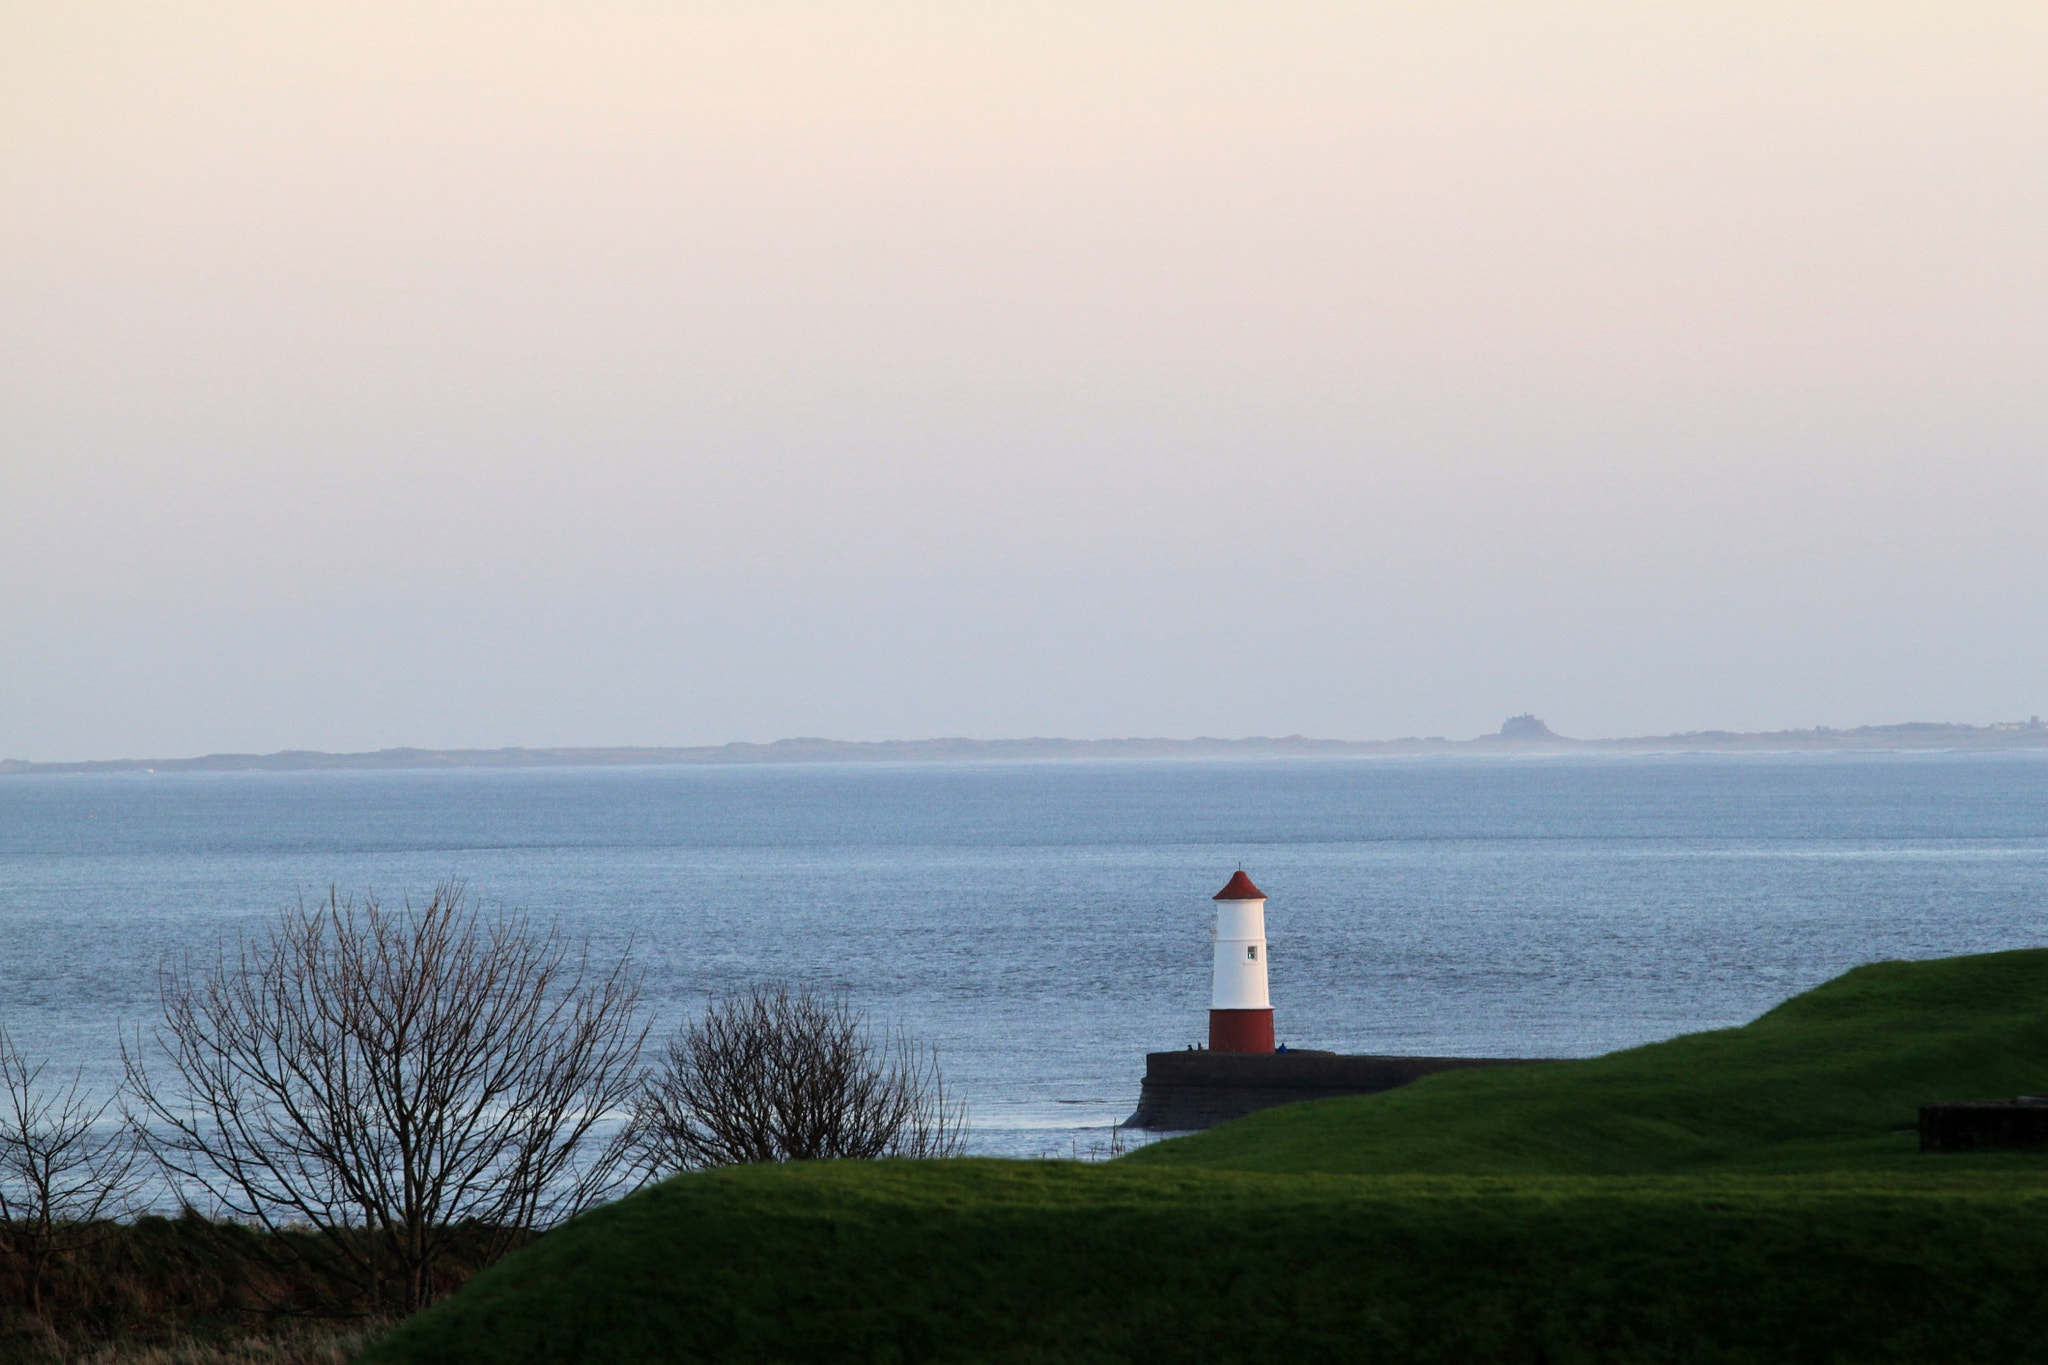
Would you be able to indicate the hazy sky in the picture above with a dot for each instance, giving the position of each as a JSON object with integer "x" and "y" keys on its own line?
{"x": 602, "y": 373}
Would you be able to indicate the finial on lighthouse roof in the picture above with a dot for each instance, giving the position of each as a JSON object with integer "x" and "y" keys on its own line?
{"x": 1240, "y": 888}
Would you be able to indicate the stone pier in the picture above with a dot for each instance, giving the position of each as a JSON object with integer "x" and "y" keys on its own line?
{"x": 1184, "y": 1091}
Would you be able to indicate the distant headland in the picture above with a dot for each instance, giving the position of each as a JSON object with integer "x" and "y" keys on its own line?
{"x": 1524, "y": 734}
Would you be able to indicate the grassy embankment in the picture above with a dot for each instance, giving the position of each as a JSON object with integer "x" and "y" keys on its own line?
{"x": 1745, "y": 1195}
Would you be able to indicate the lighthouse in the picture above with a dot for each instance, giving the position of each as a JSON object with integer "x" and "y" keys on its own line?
{"x": 1240, "y": 1012}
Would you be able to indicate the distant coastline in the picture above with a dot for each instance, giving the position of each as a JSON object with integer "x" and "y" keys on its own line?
{"x": 1520, "y": 735}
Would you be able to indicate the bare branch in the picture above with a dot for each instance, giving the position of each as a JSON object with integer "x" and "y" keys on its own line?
{"x": 64, "y": 1173}
{"x": 781, "y": 1075}
{"x": 391, "y": 1073}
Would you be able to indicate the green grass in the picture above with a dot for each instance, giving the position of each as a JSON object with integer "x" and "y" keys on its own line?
{"x": 1829, "y": 1080}
{"x": 1735, "y": 1196}
{"x": 1029, "y": 1262}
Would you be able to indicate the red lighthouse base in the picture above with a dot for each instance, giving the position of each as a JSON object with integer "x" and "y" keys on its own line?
{"x": 1241, "y": 1030}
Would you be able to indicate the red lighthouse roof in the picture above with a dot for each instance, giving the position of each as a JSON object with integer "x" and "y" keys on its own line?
{"x": 1240, "y": 889}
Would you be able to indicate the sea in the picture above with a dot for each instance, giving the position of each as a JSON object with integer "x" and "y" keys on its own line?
{"x": 1045, "y": 925}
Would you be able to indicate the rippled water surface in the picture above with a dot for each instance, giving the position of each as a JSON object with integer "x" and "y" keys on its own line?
{"x": 1046, "y": 924}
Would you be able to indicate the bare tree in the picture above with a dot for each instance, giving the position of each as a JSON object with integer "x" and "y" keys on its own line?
{"x": 398, "y": 1081}
{"x": 64, "y": 1173}
{"x": 781, "y": 1075}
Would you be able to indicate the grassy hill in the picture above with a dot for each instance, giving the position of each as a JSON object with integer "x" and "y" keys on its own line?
{"x": 1734, "y": 1196}
{"x": 1829, "y": 1080}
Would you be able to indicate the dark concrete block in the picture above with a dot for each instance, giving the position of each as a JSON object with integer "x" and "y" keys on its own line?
{"x": 1984, "y": 1125}
{"x": 1184, "y": 1091}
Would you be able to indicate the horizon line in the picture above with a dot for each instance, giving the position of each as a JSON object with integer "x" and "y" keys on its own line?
{"x": 1521, "y": 734}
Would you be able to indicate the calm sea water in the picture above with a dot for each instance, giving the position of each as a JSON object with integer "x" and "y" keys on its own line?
{"x": 1047, "y": 924}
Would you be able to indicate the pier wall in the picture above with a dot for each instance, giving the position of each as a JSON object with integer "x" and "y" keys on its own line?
{"x": 1184, "y": 1091}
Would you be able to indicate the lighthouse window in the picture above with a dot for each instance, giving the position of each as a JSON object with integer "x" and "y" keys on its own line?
{"x": 1252, "y": 951}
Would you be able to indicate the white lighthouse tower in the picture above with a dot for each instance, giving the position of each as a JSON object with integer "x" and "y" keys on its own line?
{"x": 1240, "y": 1012}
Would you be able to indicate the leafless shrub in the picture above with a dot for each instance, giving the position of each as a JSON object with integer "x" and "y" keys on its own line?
{"x": 782, "y": 1075}
{"x": 63, "y": 1171}
{"x": 395, "y": 1081}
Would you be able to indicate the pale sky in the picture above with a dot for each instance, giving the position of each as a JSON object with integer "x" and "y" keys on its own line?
{"x": 612, "y": 373}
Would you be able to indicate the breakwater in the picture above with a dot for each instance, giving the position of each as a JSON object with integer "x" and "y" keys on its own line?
{"x": 1184, "y": 1091}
